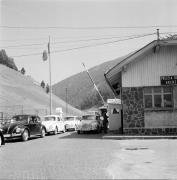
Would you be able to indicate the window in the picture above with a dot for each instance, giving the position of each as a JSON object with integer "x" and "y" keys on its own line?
{"x": 158, "y": 97}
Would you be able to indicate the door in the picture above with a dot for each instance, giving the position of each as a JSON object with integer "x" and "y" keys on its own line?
{"x": 115, "y": 122}
{"x": 34, "y": 125}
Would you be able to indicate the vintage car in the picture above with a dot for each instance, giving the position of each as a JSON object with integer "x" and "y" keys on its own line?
{"x": 2, "y": 141}
{"x": 71, "y": 122}
{"x": 24, "y": 127}
{"x": 53, "y": 124}
{"x": 90, "y": 122}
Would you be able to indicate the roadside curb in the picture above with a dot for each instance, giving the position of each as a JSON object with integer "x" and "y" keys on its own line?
{"x": 137, "y": 137}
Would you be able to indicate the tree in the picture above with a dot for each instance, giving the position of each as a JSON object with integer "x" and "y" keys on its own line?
{"x": 7, "y": 61}
{"x": 23, "y": 71}
{"x": 42, "y": 84}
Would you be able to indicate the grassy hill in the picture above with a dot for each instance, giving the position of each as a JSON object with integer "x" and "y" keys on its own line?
{"x": 80, "y": 90}
{"x": 21, "y": 94}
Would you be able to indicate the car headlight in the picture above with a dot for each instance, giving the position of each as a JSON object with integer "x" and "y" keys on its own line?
{"x": 18, "y": 130}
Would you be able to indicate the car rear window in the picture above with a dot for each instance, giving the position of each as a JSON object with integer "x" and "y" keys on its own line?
{"x": 20, "y": 118}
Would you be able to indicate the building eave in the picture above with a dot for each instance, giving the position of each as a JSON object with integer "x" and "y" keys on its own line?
{"x": 119, "y": 66}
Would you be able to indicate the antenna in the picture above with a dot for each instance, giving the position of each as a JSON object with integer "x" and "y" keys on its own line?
{"x": 94, "y": 84}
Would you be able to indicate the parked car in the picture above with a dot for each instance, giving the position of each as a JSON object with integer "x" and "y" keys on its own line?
{"x": 71, "y": 122}
{"x": 24, "y": 127}
{"x": 2, "y": 141}
{"x": 90, "y": 122}
{"x": 53, "y": 124}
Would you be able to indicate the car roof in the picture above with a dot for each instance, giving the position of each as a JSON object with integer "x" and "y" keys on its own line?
{"x": 25, "y": 115}
{"x": 52, "y": 116}
{"x": 71, "y": 116}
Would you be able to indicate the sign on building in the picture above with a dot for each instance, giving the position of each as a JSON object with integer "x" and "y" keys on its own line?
{"x": 113, "y": 101}
{"x": 168, "y": 80}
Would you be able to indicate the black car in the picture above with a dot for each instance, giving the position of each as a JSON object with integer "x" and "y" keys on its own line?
{"x": 24, "y": 127}
{"x": 2, "y": 141}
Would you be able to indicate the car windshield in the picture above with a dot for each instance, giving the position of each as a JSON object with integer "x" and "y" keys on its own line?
{"x": 49, "y": 118}
{"x": 88, "y": 117}
{"x": 20, "y": 118}
{"x": 69, "y": 118}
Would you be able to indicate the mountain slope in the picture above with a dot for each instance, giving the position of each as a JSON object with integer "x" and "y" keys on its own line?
{"x": 20, "y": 94}
{"x": 80, "y": 90}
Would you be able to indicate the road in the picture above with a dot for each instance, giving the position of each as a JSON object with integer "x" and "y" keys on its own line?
{"x": 88, "y": 156}
{"x": 63, "y": 156}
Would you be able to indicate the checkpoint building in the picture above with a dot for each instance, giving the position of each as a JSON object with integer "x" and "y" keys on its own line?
{"x": 146, "y": 83}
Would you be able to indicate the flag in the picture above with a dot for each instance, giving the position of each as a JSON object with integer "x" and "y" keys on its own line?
{"x": 44, "y": 56}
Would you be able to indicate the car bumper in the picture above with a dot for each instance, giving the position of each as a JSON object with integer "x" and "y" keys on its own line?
{"x": 50, "y": 129}
{"x": 11, "y": 135}
{"x": 88, "y": 129}
{"x": 68, "y": 126}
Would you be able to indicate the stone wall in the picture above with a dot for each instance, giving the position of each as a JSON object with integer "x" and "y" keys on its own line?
{"x": 133, "y": 108}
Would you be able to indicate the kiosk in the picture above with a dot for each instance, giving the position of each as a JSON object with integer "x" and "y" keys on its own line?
{"x": 114, "y": 111}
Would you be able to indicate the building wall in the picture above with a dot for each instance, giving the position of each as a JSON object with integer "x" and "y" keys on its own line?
{"x": 160, "y": 119}
{"x": 138, "y": 120}
{"x": 133, "y": 110}
{"x": 146, "y": 71}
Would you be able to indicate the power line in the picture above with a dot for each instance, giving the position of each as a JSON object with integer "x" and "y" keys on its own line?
{"x": 23, "y": 45}
{"x": 88, "y": 27}
{"x": 71, "y": 38}
{"x": 100, "y": 44}
{"x": 70, "y": 41}
{"x": 86, "y": 46}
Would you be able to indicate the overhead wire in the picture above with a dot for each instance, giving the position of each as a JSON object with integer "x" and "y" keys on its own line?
{"x": 71, "y": 41}
{"x": 87, "y": 28}
{"x": 86, "y": 46}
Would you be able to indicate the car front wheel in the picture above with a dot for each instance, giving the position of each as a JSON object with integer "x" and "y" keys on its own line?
{"x": 42, "y": 133}
{"x": 25, "y": 135}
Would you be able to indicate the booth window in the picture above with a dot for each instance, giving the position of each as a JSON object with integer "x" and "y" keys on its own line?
{"x": 158, "y": 97}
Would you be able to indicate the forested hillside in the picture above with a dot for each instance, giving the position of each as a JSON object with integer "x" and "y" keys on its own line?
{"x": 80, "y": 90}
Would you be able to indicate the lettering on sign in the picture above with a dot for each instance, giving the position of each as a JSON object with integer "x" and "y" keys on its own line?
{"x": 168, "y": 80}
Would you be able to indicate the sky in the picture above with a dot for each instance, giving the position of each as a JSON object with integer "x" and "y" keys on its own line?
{"x": 89, "y": 31}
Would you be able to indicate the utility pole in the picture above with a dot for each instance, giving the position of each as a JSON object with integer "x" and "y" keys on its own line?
{"x": 94, "y": 84}
{"x": 158, "y": 35}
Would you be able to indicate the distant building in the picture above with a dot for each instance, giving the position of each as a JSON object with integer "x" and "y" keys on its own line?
{"x": 146, "y": 82}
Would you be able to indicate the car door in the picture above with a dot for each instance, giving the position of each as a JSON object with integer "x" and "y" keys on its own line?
{"x": 34, "y": 125}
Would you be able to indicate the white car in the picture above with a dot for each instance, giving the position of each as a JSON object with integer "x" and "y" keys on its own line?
{"x": 90, "y": 122}
{"x": 71, "y": 122}
{"x": 53, "y": 124}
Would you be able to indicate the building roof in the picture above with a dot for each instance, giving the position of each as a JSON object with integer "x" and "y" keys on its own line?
{"x": 134, "y": 55}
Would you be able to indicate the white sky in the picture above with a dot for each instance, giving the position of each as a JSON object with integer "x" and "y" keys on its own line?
{"x": 78, "y": 13}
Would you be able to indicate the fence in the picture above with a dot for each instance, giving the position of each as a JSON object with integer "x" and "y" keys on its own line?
{"x": 6, "y": 112}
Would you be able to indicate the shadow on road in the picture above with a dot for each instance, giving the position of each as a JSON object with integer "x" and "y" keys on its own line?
{"x": 17, "y": 140}
{"x": 86, "y": 135}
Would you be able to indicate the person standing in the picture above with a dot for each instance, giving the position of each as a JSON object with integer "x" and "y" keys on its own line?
{"x": 105, "y": 121}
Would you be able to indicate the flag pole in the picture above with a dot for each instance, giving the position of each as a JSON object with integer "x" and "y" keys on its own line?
{"x": 50, "y": 76}
{"x": 94, "y": 84}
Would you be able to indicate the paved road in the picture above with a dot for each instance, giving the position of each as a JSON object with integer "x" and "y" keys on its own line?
{"x": 88, "y": 156}
{"x": 63, "y": 156}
